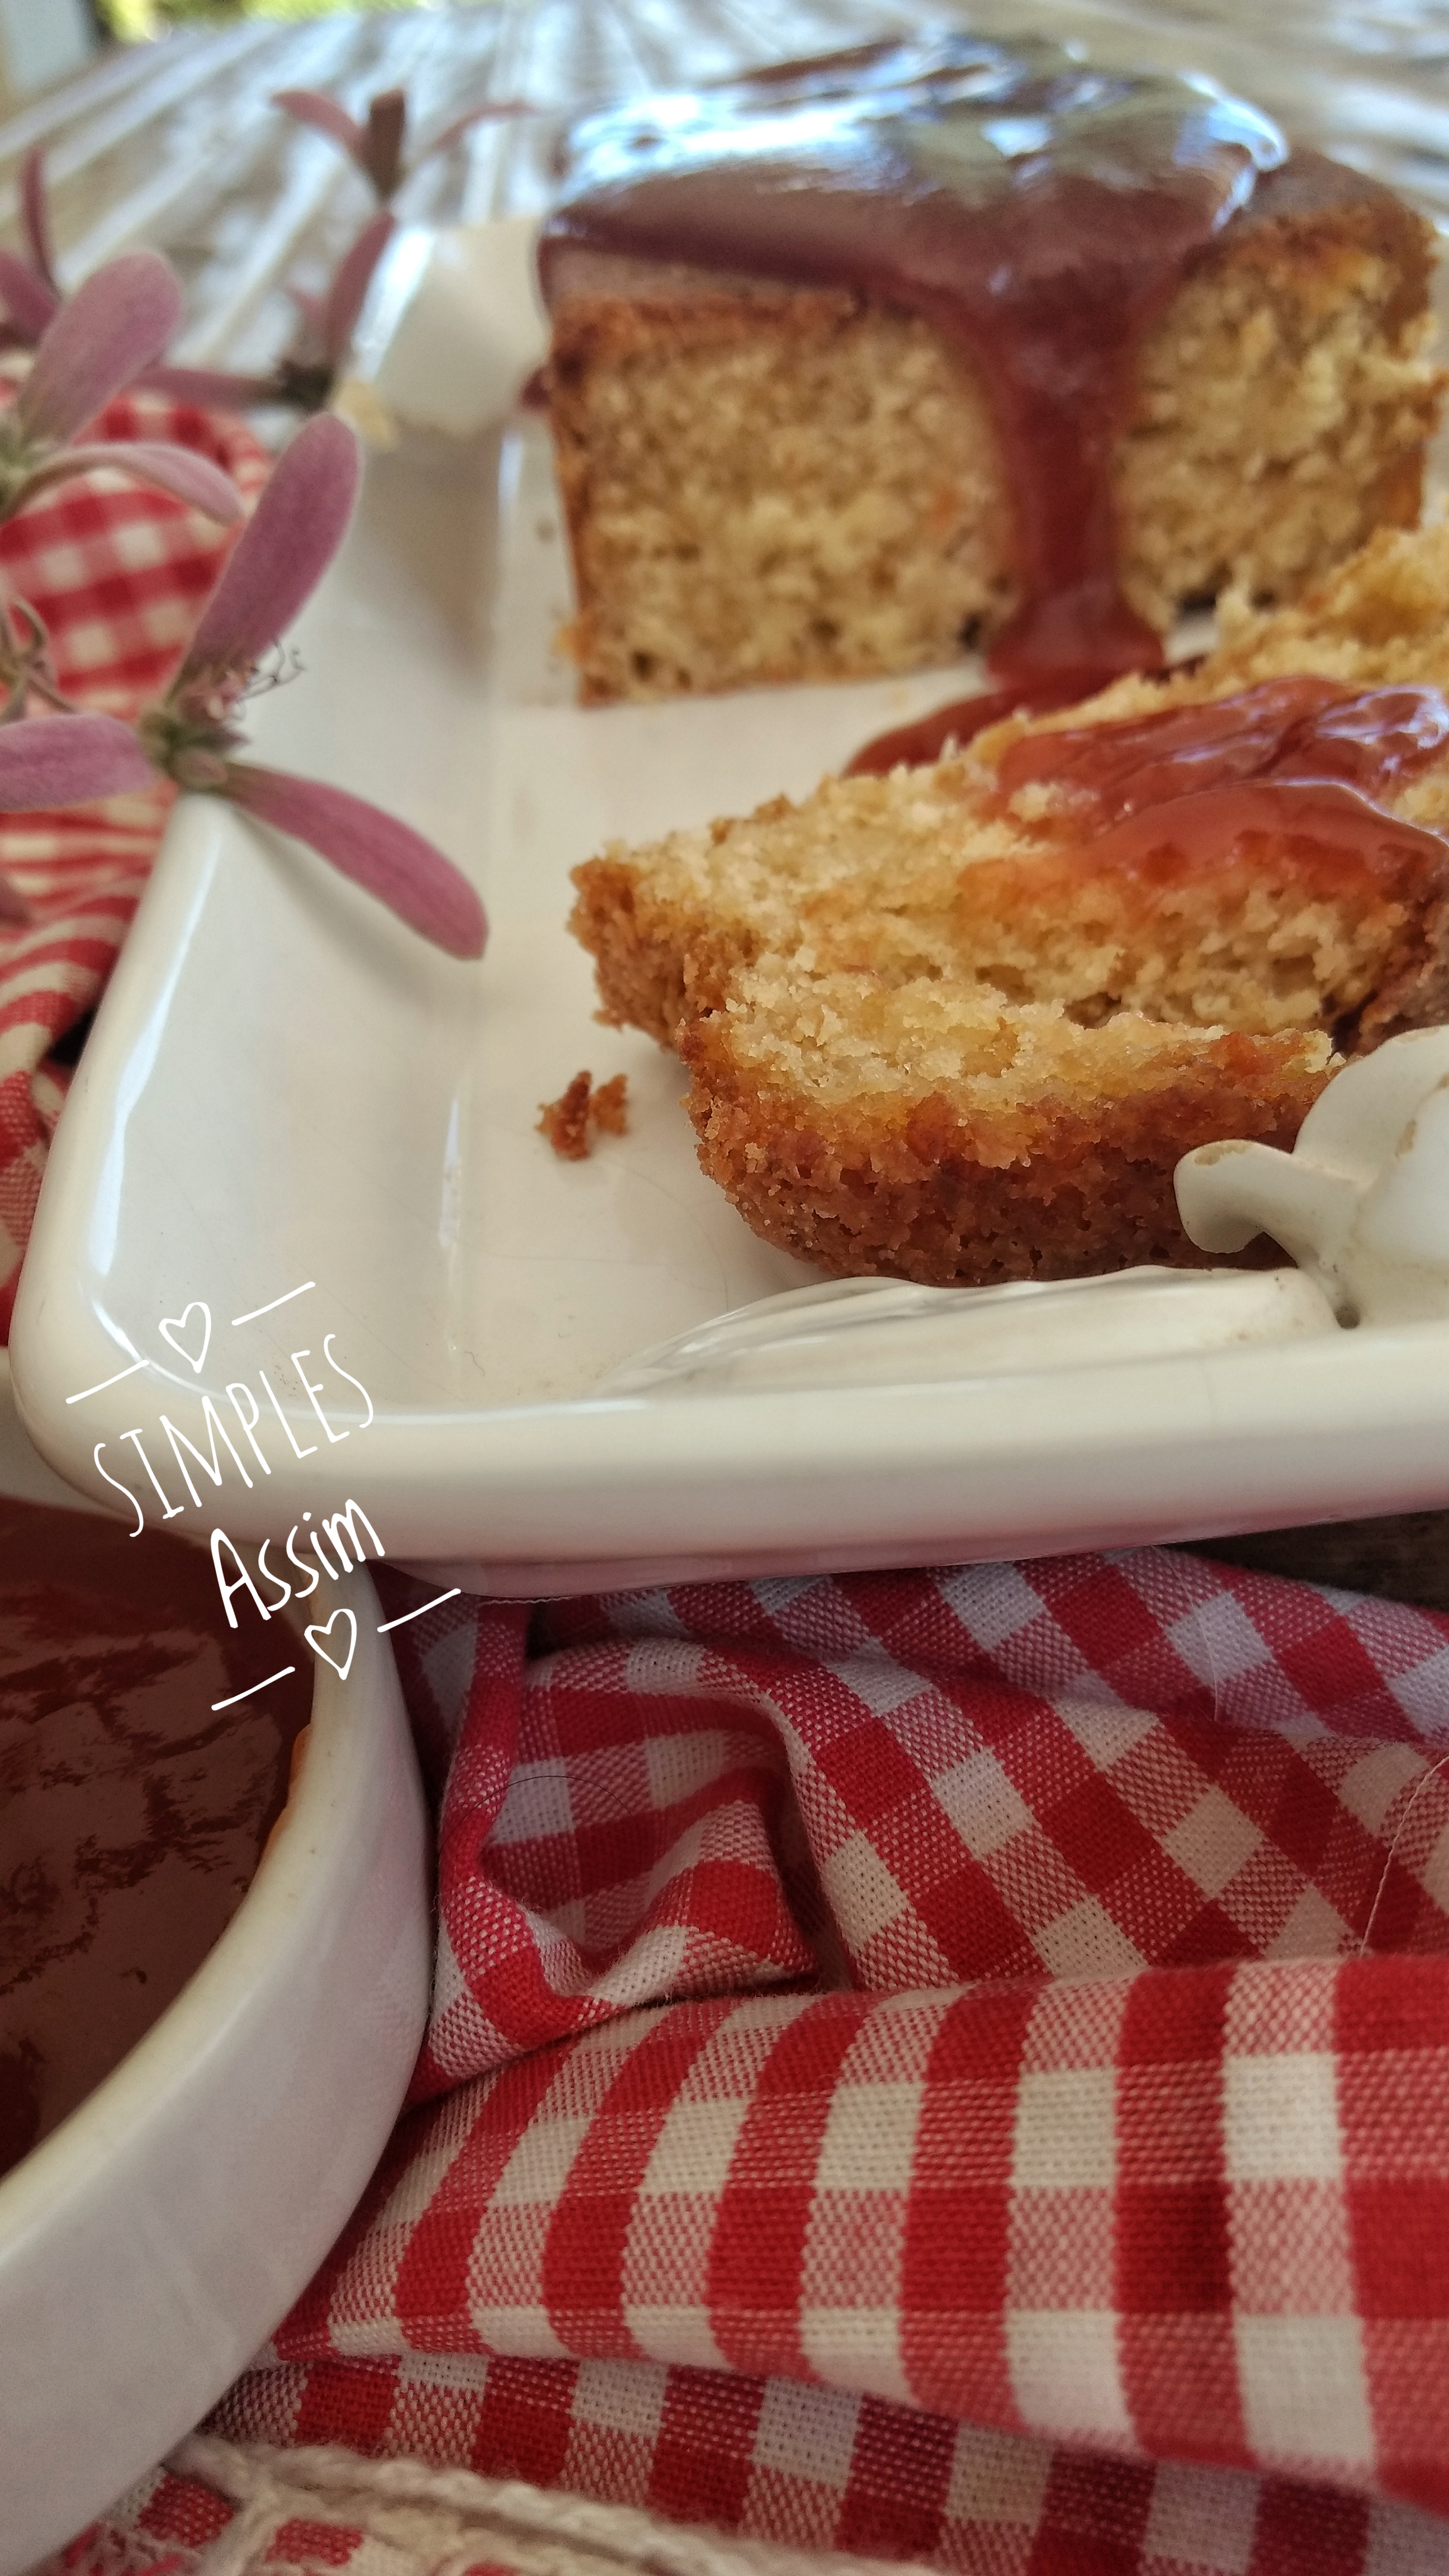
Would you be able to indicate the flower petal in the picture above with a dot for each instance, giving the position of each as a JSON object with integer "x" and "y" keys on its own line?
{"x": 393, "y": 862}
{"x": 46, "y": 761}
{"x": 448, "y": 135}
{"x": 310, "y": 309}
{"x": 387, "y": 116}
{"x": 178, "y": 470}
{"x": 311, "y": 107}
{"x": 281, "y": 554}
{"x": 209, "y": 388}
{"x": 349, "y": 286}
{"x": 35, "y": 218}
{"x": 30, "y": 303}
{"x": 115, "y": 324}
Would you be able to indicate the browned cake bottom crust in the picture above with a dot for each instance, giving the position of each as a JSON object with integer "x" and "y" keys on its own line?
{"x": 917, "y": 1197}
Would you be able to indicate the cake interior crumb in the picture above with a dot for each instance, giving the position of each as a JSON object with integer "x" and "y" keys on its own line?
{"x": 566, "y": 1121}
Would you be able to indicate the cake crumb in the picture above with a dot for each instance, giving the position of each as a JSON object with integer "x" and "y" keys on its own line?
{"x": 609, "y": 1108}
{"x": 567, "y": 1120}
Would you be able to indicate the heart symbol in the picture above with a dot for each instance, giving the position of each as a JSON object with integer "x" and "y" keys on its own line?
{"x": 314, "y": 1635}
{"x": 174, "y": 1324}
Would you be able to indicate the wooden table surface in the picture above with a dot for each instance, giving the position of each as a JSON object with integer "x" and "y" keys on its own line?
{"x": 176, "y": 145}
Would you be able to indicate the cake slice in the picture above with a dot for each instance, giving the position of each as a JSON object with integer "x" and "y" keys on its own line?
{"x": 959, "y": 1024}
{"x": 961, "y": 343}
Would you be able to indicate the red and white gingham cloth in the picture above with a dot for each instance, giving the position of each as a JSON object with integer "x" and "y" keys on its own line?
{"x": 118, "y": 573}
{"x": 951, "y": 2066}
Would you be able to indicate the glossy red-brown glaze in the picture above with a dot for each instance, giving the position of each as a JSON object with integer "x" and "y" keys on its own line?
{"x": 1337, "y": 824}
{"x": 1299, "y": 727}
{"x": 1039, "y": 213}
{"x": 132, "y": 1817}
{"x": 1297, "y": 758}
{"x": 915, "y": 746}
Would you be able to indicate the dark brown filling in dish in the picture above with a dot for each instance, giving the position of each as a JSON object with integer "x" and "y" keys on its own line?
{"x": 132, "y": 1817}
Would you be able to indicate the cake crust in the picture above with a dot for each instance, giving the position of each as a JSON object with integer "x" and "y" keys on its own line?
{"x": 924, "y": 1192}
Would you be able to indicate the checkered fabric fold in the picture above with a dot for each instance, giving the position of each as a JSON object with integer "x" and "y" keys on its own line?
{"x": 118, "y": 573}
{"x": 952, "y": 2066}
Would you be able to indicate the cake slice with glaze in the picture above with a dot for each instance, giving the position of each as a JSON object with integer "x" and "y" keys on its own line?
{"x": 958, "y": 1024}
{"x": 861, "y": 364}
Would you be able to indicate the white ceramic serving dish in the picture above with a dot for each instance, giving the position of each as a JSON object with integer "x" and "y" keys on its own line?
{"x": 150, "y": 2244}
{"x": 283, "y": 1087}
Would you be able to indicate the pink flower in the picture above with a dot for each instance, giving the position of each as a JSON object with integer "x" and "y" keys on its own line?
{"x": 303, "y": 376}
{"x": 281, "y": 555}
{"x": 192, "y": 736}
{"x": 47, "y": 761}
{"x": 68, "y": 760}
{"x": 393, "y": 862}
{"x": 30, "y": 289}
{"x": 113, "y": 327}
{"x": 377, "y": 146}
